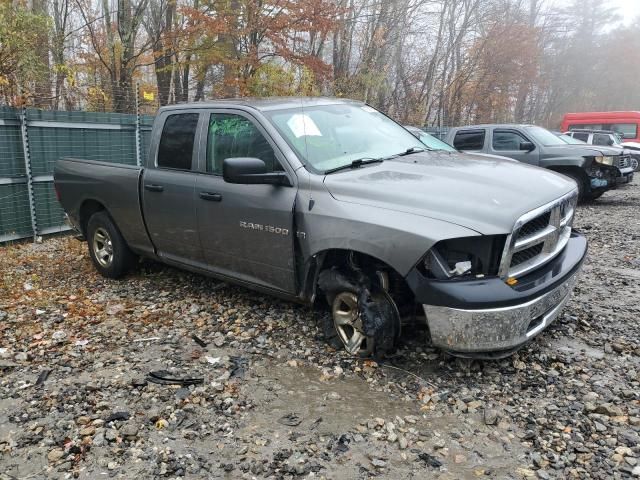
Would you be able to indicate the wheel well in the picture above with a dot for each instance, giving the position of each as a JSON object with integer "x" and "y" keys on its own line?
{"x": 350, "y": 259}
{"x": 567, "y": 169}
{"x": 88, "y": 208}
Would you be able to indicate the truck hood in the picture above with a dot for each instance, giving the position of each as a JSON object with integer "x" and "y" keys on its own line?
{"x": 585, "y": 150}
{"x": 484, "y": 194}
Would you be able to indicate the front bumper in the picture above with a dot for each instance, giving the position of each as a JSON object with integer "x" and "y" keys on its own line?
{"x": 625, "y": 175}
{"x": 476, "y": 317}
{"x": 496, "y": 329}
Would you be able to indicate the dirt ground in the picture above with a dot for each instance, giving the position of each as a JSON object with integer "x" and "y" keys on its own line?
{"x": 276, "y": 402}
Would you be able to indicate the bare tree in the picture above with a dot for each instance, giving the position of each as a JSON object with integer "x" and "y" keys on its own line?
{"x": 116, "y": 46}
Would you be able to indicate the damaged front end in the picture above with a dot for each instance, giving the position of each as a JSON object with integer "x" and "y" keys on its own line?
{"x": 513, "y": 290}
{"x": 608, "y": 171}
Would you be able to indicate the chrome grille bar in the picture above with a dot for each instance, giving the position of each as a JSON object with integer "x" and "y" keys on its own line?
{"x": 553, "y": 236}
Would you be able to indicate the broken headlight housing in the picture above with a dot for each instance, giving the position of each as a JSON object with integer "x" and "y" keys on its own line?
{"x": 604, "y": 160}
{"x": 464, "y": 258}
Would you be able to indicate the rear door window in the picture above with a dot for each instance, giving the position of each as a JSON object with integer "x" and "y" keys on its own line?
{"x": 581, "y": 136}
{"x": 602, "y": 139}
{"x": 469, "y": 139}
{"x": 176, "y": 143}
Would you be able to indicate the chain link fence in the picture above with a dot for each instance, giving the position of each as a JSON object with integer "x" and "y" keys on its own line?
{"x": 36, "y": 132}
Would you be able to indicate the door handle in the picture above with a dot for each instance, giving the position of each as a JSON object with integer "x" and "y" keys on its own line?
{"x": 153, "y": 188}
{"x": 212, "y": 197}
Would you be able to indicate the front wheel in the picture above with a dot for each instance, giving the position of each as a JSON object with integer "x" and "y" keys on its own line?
{"x": 596, "y": 194}
{"x": 581, "y": 180}
{"x": 108, "y": 250}
{"x": 364, "y": 321}
{"x": 348, "y": 325}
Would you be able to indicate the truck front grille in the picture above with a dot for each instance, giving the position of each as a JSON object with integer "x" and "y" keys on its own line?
{"x": 535, "y": 225}
{"x": 538, "y": 236}
{"x": 526, "y": 254}
{"x": 623, "y": 161}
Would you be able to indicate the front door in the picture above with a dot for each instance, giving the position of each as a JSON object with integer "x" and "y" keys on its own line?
{"x": 246, "y": 231}
{"x": 507, "y": 143}
{"x": 168, "y": 191}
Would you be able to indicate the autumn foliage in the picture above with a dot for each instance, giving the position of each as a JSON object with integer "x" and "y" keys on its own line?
{"x": 428, "y": 62}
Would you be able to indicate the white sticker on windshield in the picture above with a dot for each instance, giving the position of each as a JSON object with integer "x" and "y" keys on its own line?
{"x": 368, "y": 109}
{"x": 302, "y": 125}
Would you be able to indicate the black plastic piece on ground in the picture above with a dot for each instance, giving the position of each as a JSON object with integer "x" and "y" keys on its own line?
{"x": 430, "y": 460}
{"x": 42, "y": 377}
{"x": 290, "y": 420}
{"x": 162, "y": 377}
{"x": 117, "y": 416}
{"x": 198, "y": 340}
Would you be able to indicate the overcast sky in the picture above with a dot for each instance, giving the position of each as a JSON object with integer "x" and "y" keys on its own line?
{"x": 627, "y": 9}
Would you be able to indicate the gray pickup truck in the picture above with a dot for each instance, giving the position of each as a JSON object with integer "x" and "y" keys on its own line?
{"x": 595, "y": 169}
{"x": 325, "y": 198}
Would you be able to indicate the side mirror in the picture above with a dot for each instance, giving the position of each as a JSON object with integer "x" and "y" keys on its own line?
{"x": 251, "y": 171}
{"x": 527, "y": 146}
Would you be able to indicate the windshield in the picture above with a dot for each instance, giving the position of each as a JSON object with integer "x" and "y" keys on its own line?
{"x": 570, "y": 140}
{"x": 544, "y": 136}
{"x": 435, "y": 143}
{"x": 330, "y": 136}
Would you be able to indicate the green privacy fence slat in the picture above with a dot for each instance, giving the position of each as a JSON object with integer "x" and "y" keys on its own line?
{"x": 11, "y": 157}
{"x": 15, "y": 221}
{"x": 48, "y": 211}
{"x": 52, "y": 135}
{"x": 48, "y": 144}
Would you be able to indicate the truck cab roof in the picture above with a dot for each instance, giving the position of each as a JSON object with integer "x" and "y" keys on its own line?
{"x": 496, "y": 125}
{"x": 263, "y": 104}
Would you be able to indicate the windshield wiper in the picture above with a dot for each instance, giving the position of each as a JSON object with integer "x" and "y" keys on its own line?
{"x": 409, "y": 151}
{"x": 355, "y": 164}
{"x": 366, "y": 161}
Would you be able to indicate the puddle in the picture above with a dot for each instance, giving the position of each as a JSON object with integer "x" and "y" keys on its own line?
{"x": 343, "y": 403}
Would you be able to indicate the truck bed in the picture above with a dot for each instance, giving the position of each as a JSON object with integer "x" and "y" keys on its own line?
{"x": 84, "y": 183}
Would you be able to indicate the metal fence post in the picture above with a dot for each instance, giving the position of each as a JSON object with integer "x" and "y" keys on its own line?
{"x": 24, "y": 131}
{"x": 138, "y": 136}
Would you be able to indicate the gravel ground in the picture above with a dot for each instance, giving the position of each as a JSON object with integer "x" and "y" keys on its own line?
{"x": 276, "y": 402}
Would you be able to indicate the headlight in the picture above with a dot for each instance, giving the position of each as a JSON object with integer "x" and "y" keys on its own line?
{"x": 604, "y": 160}
{"x": 465, "y": 257}
{"x": 567, "y": 211}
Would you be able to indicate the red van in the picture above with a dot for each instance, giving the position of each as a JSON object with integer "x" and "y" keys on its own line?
{"x": 625, "y": 123}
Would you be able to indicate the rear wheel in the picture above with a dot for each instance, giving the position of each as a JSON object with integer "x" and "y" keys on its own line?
{"x": 108, "y": 250}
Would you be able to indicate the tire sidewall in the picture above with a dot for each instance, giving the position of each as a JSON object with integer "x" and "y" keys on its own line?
{"x": 122, "y": 256}
{"x": 583, "y": 192}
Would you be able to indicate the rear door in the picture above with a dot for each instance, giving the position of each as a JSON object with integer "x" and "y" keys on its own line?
{"x": 506, "y": 142}
{"x": 246, "y": 231}
{"x": 602, "y": 139}
{"x": 168, "y": 189}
